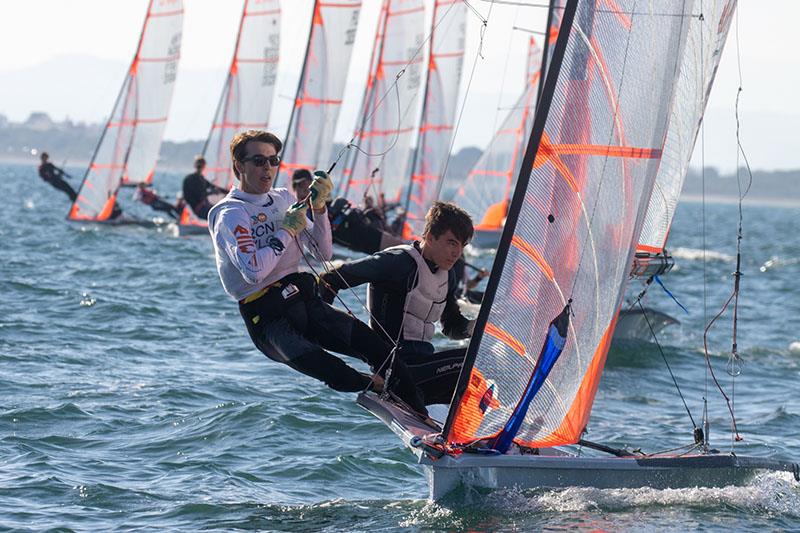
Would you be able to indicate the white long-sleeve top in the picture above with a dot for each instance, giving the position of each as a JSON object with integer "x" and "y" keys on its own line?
{"x": 251, "y": 248}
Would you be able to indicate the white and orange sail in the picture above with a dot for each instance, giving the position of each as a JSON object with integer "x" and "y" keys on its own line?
{"x": 486, "y": 193}
{"x": 388, "y": 114}
{"x": 573, "y": 224}
{"x": 309, "y": 140}
{"x": 445, "y": 60}
{"x": 128, "y": 148}
{"x": 246, "y": 99}
{"x": 707, "y": 36}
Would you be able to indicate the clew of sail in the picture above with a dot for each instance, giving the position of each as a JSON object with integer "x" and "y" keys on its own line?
{"x": 388, "y": 114}
{"x": 445, "y": 61}
{"x": 487, "y": 190}
{"x": 573, "y": 222}
{"x": 128, "y": 148}
{"x": 309, "y": 139}
{"x": 247, "y": 96}
{"x": 707, "y": 36}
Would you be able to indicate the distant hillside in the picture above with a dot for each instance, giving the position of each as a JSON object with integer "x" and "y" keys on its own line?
{"x": 781, "y": 186}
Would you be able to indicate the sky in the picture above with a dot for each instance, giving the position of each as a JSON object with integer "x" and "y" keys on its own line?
{"x": 95, "y": 41}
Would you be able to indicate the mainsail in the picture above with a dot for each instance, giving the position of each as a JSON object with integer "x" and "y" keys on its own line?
{"x": 247, "y": 96}
{"x": 438, "y": 110}
{"x": 128, "y": 148}
{"x": 487, "y": 190}
{"x": 573, "y": 223}
{"x": 707, "y": 36}
{"x": 309, "y": 139}
{"x": 388, "y": 114}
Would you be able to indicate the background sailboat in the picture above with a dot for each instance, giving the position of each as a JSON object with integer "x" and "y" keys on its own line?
{"x": 128, "y": 148}
{"x": 246, "y": 98}
{"x": 388, "y": 115}
{"x": 439, "y": 105}
{"x": 309, "y": 138}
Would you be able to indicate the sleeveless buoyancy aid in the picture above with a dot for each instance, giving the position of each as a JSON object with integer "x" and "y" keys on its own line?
{"x": 425, "y": 302}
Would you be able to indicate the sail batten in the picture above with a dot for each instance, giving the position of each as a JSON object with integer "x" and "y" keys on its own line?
{"x": 573, "y": 221}
{"x": 127, "y": 150}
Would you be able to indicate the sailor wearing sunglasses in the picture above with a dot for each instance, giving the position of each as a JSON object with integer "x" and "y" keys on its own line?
{"x": 258, "y": 233}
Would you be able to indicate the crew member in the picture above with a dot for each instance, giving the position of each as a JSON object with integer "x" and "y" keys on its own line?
{"x": 196, "y": 189}
{"x": 301, "y": 185}
{"x": 257, "y": 233}
{"x": 149, "y": 197}
{"x": 353, "y": 230}
{"x": 411, "y": 287}
{"x": 53, "y": 175}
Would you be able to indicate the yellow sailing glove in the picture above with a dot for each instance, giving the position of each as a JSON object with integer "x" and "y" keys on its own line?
{"x": 294, "y": 221}
{"x": 321, "y": 189}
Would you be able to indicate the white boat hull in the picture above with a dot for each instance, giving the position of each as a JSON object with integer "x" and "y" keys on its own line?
{"x": 555, "y": 468}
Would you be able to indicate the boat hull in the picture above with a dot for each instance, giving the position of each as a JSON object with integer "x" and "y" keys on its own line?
{"x": 555, "y": 468}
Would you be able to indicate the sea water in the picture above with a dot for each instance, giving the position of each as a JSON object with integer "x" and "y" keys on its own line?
{"x": 131, "y": 397}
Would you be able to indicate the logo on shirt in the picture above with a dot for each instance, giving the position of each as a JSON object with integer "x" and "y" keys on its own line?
{"x": 244, "y": 240}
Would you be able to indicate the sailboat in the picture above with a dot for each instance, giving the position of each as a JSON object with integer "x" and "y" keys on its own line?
{"x": 487, "y": 190}
{"x": 246, "y": 98}
{"x": 309, "y": 138}
{"x": 445, "y": 61}
{"x": 388, "y": 115}
{"x": 128, "y": 148}
{"x": 545, "y": 325}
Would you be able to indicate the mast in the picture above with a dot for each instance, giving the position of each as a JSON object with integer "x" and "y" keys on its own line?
{"x": 546, "y": 49}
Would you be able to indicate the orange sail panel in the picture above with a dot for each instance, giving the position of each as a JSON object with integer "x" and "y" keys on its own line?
{"x": 309, "y": 139}
{"x": 247, "y": 96}
{"x": 128, "y": 148}
{"x": 573, "y": 220}
{"x": 487, "y": 190}
{"x": 707, "y": 36}
{"x": 388, "y": 114}
{"x": 438, "y": 109}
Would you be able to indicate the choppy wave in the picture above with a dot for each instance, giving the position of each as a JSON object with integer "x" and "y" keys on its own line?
{"x": 694, "y": 254}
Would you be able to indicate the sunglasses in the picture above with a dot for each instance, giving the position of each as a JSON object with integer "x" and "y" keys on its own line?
{"x": 261, "y": 160}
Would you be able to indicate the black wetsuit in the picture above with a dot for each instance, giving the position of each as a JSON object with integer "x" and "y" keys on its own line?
{"x": 392, "y": 274}
{"x": 196, "y": 189}
{"x": 352, "y": 229}
{"x": 52, "y": 175}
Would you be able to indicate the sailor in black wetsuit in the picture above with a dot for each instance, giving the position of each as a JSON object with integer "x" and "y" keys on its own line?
{"x": 353, "y": 230}
{"x": 411, "y": 288}
{"x": 53, "y": 175}
{"x": 196, "y": 189}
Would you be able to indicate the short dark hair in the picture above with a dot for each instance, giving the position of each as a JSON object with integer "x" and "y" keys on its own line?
{"x": 199, "y": 161}
{"x": 300, "y": 175}
{"x": 240, "y": 140}
{"x": 443, "y": 216}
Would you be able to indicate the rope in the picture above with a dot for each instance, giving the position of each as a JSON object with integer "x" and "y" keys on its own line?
{"x": 669, "y": 369}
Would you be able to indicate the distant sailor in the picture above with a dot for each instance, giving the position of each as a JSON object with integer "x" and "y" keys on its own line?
{"x": 197, "y": 189}
{"x": 413, "y": 286}
{"x": 301, "y": 185}
{"x": 257, "y": 233}
{"x": 149, "y": 197}
{"x": 53, "y": 175}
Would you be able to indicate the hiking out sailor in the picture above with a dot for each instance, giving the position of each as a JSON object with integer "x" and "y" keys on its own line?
{"x": 258, "y": 232}
{"x": 197, "y": 189}
{"x": 411, "y": 287}
{"x": 53, "y": 175}
{"x": 353, "y": 230}
{"x": 150, "y": 197}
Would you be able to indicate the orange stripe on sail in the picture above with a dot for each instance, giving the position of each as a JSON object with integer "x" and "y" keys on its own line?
{"x": 105, "y": 213}
{"x": 531, "y": 252}
{"x": 648, "y": 248}
{"x": 623, "y": 17}
{"x": 578, "y": 415}
{"x": 505, "y": 337}
{"x": 628, "y": 152}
